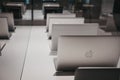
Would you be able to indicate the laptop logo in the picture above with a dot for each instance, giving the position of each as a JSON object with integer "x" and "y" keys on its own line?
{"x": 89, "y": 54}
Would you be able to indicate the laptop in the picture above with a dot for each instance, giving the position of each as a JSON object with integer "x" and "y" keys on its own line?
{"x": 87, "y": 51}
{"x": 71, "y": 29}
{"x": 97, "y": 74}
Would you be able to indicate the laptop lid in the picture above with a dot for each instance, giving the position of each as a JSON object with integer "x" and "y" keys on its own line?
{"x": 87, "y": 51}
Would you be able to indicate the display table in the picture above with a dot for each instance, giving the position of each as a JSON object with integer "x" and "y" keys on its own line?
{"x": 89, "y": 8}
{"x": 49, "y": 5}
{"x": 51, "y": 8}
{"x": 18, "y": 9}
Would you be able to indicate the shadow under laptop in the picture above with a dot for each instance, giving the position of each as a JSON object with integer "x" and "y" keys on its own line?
{"x": 116, "y": 33}
{"x": 64, "y": 73}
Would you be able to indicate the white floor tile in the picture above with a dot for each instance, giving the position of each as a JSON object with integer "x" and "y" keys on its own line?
{"x": 12, "y": 59}
{"x": 29, "y": 45}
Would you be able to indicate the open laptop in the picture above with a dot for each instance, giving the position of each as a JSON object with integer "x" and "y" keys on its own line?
{"x": 87, "y": 51}
{"x": 97, "y": 74}
{"x": 71, "y": 29}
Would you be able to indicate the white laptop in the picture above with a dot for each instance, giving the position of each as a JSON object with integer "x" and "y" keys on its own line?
{"x": 4, "y": 32}
{"x": 87, "y": 51}
{"x": 71, "y": 29}
{"x": 58, "y": 15}
{"x": 68, "y": 20}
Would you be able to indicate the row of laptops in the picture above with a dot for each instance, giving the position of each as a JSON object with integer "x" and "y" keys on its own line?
{"x": 85, "y": 51}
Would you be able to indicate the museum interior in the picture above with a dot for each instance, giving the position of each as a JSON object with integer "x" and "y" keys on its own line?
{"x": 59, "y": 39}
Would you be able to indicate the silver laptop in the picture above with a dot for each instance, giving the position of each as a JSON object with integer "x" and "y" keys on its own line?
{"x": 87, "y": 51}
{"x": 71, "y": 29}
